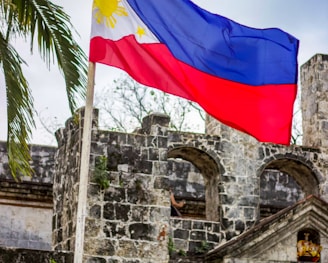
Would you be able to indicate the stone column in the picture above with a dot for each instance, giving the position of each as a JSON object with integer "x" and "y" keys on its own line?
{"x": 239, "y": 188}
{"x": 314, "y": 101}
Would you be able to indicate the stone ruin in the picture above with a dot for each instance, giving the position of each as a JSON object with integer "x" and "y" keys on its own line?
{"x": 246, "y": 201}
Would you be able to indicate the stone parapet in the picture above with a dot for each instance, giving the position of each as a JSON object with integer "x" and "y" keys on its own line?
{"x": 193, "y": 237}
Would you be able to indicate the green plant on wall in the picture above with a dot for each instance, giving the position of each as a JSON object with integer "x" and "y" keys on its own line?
{"x": 204, "y": 247}
{"x": 52, "y": 261}
{"x": 101, "y": 174}
{"x": 172, "y": 249}
{"x": 171, "y": 246}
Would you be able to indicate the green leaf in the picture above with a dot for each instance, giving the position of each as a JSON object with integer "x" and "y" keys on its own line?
{"x": 47, "y": 23}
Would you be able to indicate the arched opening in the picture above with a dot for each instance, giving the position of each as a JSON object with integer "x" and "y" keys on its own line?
{"x": 283, "y": 182}
{"x": 207, "y": 172}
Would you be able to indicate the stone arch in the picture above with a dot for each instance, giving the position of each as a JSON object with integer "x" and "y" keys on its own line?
{"x": 301, "y": 170}
{"x": 285, "y": 180}
{"x": 209, "y": 169}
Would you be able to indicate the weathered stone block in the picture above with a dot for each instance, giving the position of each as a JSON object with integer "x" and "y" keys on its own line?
{"x": 181, "y": 234}
{"x": 114, "y": 230}
{"x": 95, "y": 211}
{"x": 127, "y": 249}
{"x": 140, "y": 214}
{"x": 159, "y": 214}
{"x": 197, "y": 235}
{"x": 198, "y": 225}
{"x": 215, "y": 238}
{"x": 109, "y": 212}
{"x": 140, "y": 231}
{"x": 161, "y": 182}
{"x": 122, "y": 212}
{"x": 114, "y": 194}
{"x": 99, "y": 247}
{"x": 92, "y": 227}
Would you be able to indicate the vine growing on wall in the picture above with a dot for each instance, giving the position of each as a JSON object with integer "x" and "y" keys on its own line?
{"x": 101, "y": 174}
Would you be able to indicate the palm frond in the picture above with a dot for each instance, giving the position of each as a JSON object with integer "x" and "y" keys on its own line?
{"x": 47, "y": 23}
{"x": 55, "y": 40}
{"x": 19, "y": 110}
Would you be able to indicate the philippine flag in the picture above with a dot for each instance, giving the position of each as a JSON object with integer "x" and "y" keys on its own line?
{"x": 244, "y": 77}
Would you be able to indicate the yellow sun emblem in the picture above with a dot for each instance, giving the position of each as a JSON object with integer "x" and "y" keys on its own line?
{"x": 105, "y": 10}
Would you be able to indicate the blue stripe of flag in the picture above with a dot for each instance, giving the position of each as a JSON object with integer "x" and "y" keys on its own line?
{"x": 219, "y": 46}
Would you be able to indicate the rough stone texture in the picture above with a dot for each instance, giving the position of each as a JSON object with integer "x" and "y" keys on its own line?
{"x": 26, "y": 205}
{"x": 314, "y": 80}
{"x": 11, "y": 255}
{"x": 129, "y": 219}
{"x": 224, "y": 172}
{"x": 194, "y": 236}
{"x": 274, "y": 239}
{"x": 227, "y": 178}
{"x": 42, "y": 163}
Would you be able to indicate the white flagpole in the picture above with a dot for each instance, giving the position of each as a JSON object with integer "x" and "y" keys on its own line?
{"x": 84, "y": 167}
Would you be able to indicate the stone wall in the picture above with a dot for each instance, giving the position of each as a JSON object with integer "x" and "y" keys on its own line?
{"x": 224, "y": 172}
{"x": 225, "y": 175}
{"x": 42, "y": 163}
{"x": 314, "y": 80}
{"x": 65, "y": 186}
{"x": 277, "y": 191}
{"x": 192, "y": 237}
{"x": 12, "y": 255}
{"x": 127, "y": 221}
{"x": 26, "y": 205}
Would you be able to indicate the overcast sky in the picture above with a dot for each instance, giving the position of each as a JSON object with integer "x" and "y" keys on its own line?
{"x": 307, "y": 20}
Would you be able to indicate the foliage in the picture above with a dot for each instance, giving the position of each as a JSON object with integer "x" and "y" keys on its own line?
{"x": 171, "y": 246}
{"x": 101, "y": 174}
{"x": 172, "y": 249}
{"x": 49, "y": 25}
{"x": 124, "y": 105}
{"x": 204, "y": 247}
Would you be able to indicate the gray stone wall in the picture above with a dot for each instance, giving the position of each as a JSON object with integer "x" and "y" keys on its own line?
{"x": 128, "y": 216}
{"x": 228, "y": 175}
{"x": 42, "y": 163}
{"x": 314, "y": 81}
{"x": 237, "y": 156}
{"x": 192, "y": 237}
{"x": 26, "y": 205}
{"x": 279, "y": 189}
{"x": 127, "y": 221}
{"x": 66, "y": 179}
{"x": 12, "y": 255}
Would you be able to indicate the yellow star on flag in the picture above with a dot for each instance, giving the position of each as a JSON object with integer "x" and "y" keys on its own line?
{"x": 140, "y": 31}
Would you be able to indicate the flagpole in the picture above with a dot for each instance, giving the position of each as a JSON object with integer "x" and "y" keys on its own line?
{"x": 84, "y": 167}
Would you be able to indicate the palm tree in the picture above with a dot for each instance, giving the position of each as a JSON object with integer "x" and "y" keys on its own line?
{"x": 47, "y": 23}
